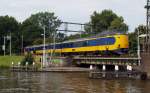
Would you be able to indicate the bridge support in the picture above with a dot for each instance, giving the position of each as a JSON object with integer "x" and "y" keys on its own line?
{"x": 91, "y": 67}
{"x": 104, "y": 68}
{"x": 129, "y": 67}
{"x": 116, "y": 69}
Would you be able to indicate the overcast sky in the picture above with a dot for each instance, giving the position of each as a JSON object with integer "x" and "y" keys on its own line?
{"x": 76, "y": 10}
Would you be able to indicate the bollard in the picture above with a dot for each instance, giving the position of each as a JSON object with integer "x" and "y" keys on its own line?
{"x": 33, "y": 66}
{"x": 91, "y": 67}
{"x": 129, "y": 67}
{"x": 33, "y": 63}
{"x": 12, "y": 65}
{"x": 104, "y": 68}
{"x": 116, "y": 69}
{"x": 18, "y": 64}
{"x": 19, "y": 68}
{"x": 26, "y": 66}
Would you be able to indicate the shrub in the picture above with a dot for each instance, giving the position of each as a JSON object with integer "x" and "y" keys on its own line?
{"x": 28, "y": 59}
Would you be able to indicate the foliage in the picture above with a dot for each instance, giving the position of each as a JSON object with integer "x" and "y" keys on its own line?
{"x": 31, "y": 30}
{"x": 141, "y": 28}
{"x": 106, "y": 20}
{"x": 9, "y": 24}
{"x": 33, "y": 27}
{"x": 133, "y": 38}
{"x": 28, "y": 59}
{"x": 132, "y": 43}
{"x": 118, "y": 24}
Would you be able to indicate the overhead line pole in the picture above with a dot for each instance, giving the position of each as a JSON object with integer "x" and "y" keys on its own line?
{"x": 44, "y": 48}
{"x": 10, "y": 43}
{"x": 147, "y": 26}
{"x": 4, "y": 47}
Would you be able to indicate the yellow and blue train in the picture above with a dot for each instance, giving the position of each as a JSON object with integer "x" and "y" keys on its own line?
{"x": 117, "y": 43}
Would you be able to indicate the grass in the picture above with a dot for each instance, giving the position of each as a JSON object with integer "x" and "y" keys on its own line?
{"x": 6, "y": 61}
{"x": 56, "y": 60}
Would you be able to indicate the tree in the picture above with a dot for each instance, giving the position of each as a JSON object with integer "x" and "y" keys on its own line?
{"x": 133, "y": 38}
{"x": 132, "y": 43}
{"x": 118, "y": 24}
{"x": 106, "y": 20}
{"x": 29, "y": 59}
{"x": 9, "y": 24}
{"x": 32, "y": 27}
{"x": 141, "y": 28}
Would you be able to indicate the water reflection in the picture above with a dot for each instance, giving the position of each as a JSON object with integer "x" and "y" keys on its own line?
{"x": 16, "y": 82}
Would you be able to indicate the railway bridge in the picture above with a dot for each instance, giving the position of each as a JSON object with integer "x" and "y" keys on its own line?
{"x": 103, "y": 62}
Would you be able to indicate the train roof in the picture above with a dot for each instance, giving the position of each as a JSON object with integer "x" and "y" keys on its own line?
{"x": 103, "y": 34}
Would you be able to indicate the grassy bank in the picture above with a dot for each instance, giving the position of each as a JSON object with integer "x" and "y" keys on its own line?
{"x": 6, "y": 61}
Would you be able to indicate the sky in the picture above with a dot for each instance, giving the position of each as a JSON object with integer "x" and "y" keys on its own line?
{"x": 76, "y": 10}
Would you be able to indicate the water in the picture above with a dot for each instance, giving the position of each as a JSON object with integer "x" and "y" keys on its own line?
{"x": 23, "y": 82}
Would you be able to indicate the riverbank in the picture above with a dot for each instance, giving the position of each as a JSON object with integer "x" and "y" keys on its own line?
{"x": 6, "y": 61}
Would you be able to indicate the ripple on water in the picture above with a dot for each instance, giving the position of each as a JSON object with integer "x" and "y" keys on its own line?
{"x": 14, "y": 90}
{"x": 3, "y": 77}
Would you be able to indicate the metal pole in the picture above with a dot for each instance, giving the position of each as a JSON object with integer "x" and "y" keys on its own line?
{"x": 54, "y": 41}
{"x": 22, "y": 44}
{"x": 81, "y": 32}
{"x": 10, "y": 45}
{"x": 44, "y": 48}
{"x": 4, "y": 45}
{"x": 138, "y": 52}
{"x": 147, "y": 25}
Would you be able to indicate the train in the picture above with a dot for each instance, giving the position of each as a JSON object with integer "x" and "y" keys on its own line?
{"x": 108, "y": 44}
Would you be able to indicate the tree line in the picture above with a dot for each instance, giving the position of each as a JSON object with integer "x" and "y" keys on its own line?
{"x": 29, "y": 32}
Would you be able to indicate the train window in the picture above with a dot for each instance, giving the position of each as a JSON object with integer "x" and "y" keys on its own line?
{"x": 111, "y": 40}
{"x": 70, "y": 45}
{"x": 84, "y": 43}
{"x": 78, "y": 44}
{"x": 92, "y": 42}
{"x": 106, "y": 41}
{"x": 65, "y": 45}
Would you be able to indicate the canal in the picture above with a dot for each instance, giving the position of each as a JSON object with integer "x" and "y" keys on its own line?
{"x": 23, "y": 82}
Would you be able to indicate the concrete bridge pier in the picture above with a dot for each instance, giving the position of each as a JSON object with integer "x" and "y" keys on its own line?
{"x": 104, "y": 69}
{"x": 116, "y": 69}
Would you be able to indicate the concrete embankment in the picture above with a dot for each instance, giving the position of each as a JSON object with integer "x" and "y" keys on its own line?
{"x": 66, "y": 69}
{"x": 145, "y": 63}
{"x": 49, "y": 69}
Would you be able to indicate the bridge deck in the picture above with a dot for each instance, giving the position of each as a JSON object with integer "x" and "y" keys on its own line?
{"x": 108, "y": 60}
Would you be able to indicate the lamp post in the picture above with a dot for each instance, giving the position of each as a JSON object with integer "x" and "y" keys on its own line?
{"x": 9, "y": 37}
{"x": 138, "y": 50}
{"x": 4, "y": 47}
{"x": 44, "y": 47}
{"x": 43, "y": 61}
{"x": 22, "y": 44}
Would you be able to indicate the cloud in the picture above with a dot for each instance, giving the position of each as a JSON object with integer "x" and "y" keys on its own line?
{"x": 76, "y": 10}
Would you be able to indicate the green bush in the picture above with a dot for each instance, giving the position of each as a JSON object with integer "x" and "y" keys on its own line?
{"x": 28, "y": 59}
